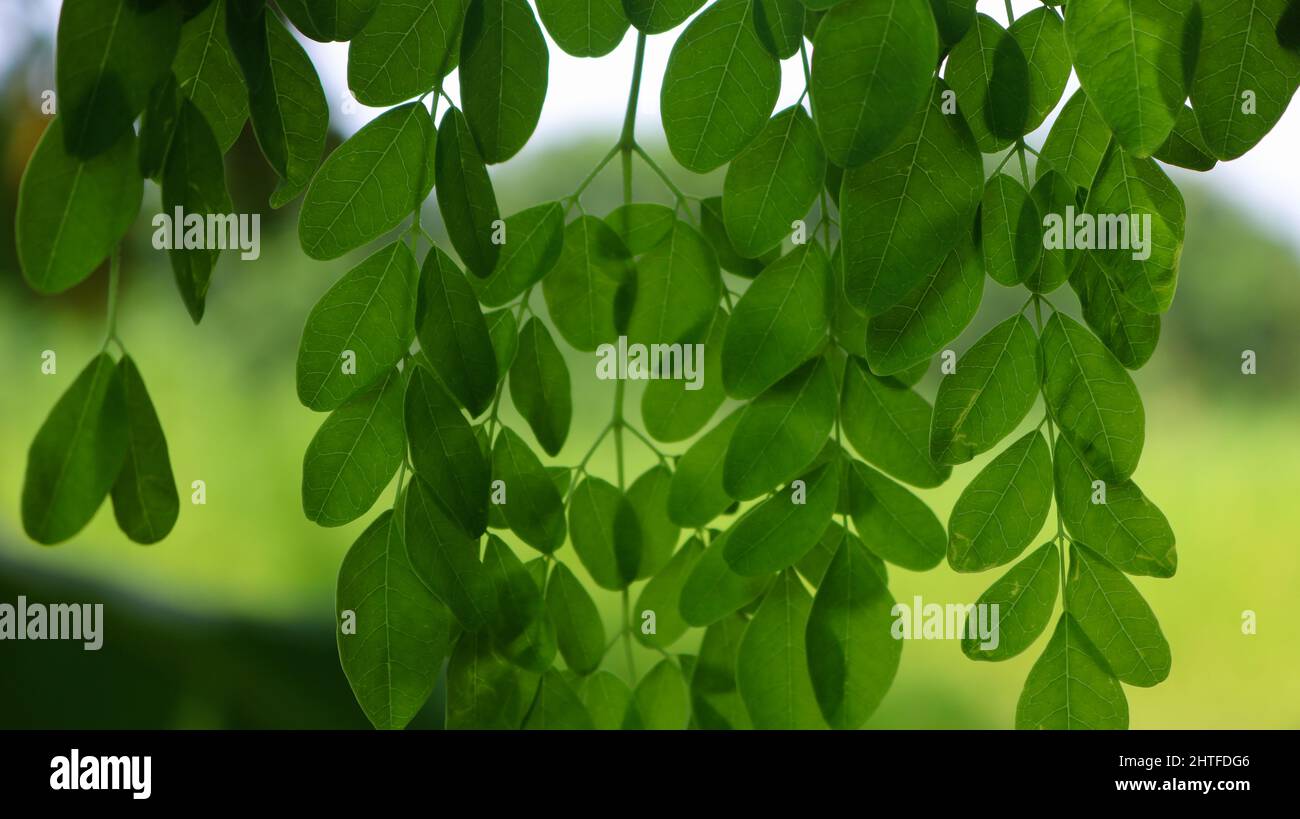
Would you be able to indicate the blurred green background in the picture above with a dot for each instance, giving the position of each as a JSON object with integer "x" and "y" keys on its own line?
{"x": 229, "y": 621}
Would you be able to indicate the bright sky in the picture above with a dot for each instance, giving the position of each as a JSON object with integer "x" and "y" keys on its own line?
{"x": 589, "y": 96}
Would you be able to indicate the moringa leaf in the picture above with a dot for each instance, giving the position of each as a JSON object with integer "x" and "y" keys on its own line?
{"x": 521, "y": 628}
{"x": 1025, "y": 597}
{"x": 1126, "y": 331}
{"x": 539, "y": 386}
{"x": 606, "y": 698}
{"x": 581, "y": 289}
{"x": 465, "y": 197}
{"x": 1186, "y": 147}
{"x": 719, "y": 87}
{"x": 453, "y": 334}
{"x": 444, "y": 558}
{"x": 1003, "y": 509}
{"x": 353, "y": 456}
{"x": 872, "y": 73}
{"x": 677, "y": 290}
{"x": 896, "y": 523}
{"x": 715, "y": 700}
{"x": 773, "y": 181}
{"x": 1115, "y": 618}
{"x": 1041, "y": 37}
{"x": 369, "y": 312}
{"x": 1069, "y": 688}
{"x": 72, "y": 212}
{"x": 905, "y": 210}
{"x": 533, "y": 509}
{"x": 369, "y": 184}
{"x": 779, "y": 24}
{"x": 557, "y": 707}
{"x": 776, "y": 533}
{"x": 852, "y": 656}
{"x": 584, "y": 28}
{"x": 641, "y": 225}
{"x": 1010, "y": 231}
{"x": 1054, "y": 197}
{"x": 504, "y": 333}
{"x": 145, "y": 502}
{"x": 503, "y": 75}
{"x": 989, "y": 72}
{"x": 991, "y": 391}
{"x": 954, "y": 18}
{"x": 1092, "y": 398}
{"x": 661, "y": 701}
{"x": 778, "y": 324}
{"x": 696, "y": 495}
{"x": 578, "y": 628}
{"x": 329, "y": 20}
{"x": 772, "y": 662}
{"x": 662, "y": 596}
{"x": 648, "y": 495}
{"x": 484, "y": 691}
{"x": 605, "y": 533}
{"x": 780, "y": 432}
{"x": 1129, "y": 55}
{"x": 402, "y": 634}
{"x": 76, "y": 455}
{"x": 889, "y": 426}
{"x": 713, "y": 590}
{"x": 445, "y": 453}
{"x": 658, "y": 16}
{"x": 533, "y": 241}
{"x": 1076, "y": 143}
{"x": 208, "y": 75}
{"x": 713, "y": 226}
{"x": 404, "y": 50}
{"x": 674, "y": 410}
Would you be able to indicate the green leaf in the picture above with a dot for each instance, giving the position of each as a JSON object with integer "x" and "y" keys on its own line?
{"x": 207, "y": 74}
{"x": 658, "y": 16}
{"x": 780, "y": 432}
{"x": 557, "y": 707}
{"x": 606, "y": 698}
{"x": 648, "y": 495}
{"x": 779, "y": 24}
{"x": 504, "y": 334}
{"x": 814, "y": 564}
{"x": 910, "y": 333}
{"x": 713, "y": 590}
{"x": 1068, "y": 688}
{"x": 445, "y": 559}
{"x": 578, "y": 628}
{"x": 1186, "y": 147}
{"x": 194, "y": 182}
{"x": 503, "y": 70}
{"x": 539, "y": 385}
{"x": 852, "y": 656}
{"x": 1055, "y": 198}
{"x": 897, "y": 524}
{"x": 872, "y": 72}
{"x": 72, "y": 212}
{"x": 483, "y": 690}
{"x": 904, "y": 211}
{"x": 76, "y": 455}
{"x": 1126, "y": 331}
{"x": 1129, "y": 58}
{"x": 370, "y": 313}
{"x": 1092, "y": 398}
{"x": 989, "y": 72}
{"x": 954, "y": 18}
{"x": 1115, "y": 618}
{"x": 605, "y": 533}
{"x": 677, "y": 290}
{"x": 286, "y": 102}
{"x": 772, "y": 663}
{"x": 1010, "y": 230}
{"x": 779, "y": 322}
{"x": 773, "y": 182}
{"x": 522, "y": 630}
{"x": 533, "y": 239}
{"x": 776, "y": 533}
{"x": 445, "y": 454}
{"x": 144, "y": 495}
{"x": 889, "y": 426}
{"x": 110, "y": 53}
{"x": 1244, "y": 47}
{"x": 675, "y": 409}
{"x": 1127, "y": 191}
{"x": 661, "y": 701}
{"x": 158, "y": 126}
{"x": 696, "y": 495}
{"x": 533, "y": 509}
{"x": 1025, "y": 597}
{"x": 641, "y": 225}
{"x": 584, "y": 28}
{"x": 719, "y": 87}
{"x": 1041, "y": 37}
{"x": 715, "y": 701}
{"x": 580, "y": 290}
{"x": 369, "y": 184}
{"x": 405, "y": 50}
{"x": 662, "y": 596}
{"x": 1076, "y": 143}
{"x": 465, "y": 196}
{"x": 1003, "y": 509}
{"x": 453, "y": 334}
{"x": 714, "y": 229}
{"x": 991, "y": 391}
{"x": 328, "y": 20}
{"x": 402, "y": 634}
{"x": 1127, "y": 529}
{"x": 353, "y": 456}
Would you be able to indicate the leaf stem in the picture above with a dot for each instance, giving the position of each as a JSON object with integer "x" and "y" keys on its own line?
{"x": 1051, "y": 442}
{"x": 114, "y": 279}
{"x": 627, "y": 638}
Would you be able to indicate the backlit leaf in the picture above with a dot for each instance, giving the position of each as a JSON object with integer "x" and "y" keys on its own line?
{"x": 453, "y": 334}
{"x": 1069, "y": 689}
{"x": 539, "y": 386}
{"x": 1116, "y": 620}
{"x": 1003, "y": 509}
{"x": 445, "y": 453}
{"x": 772, "y": 662}
{"x": 1025, "y": 597}
{"x": 466, "y": 199}
{"x": 503, "y": 70}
